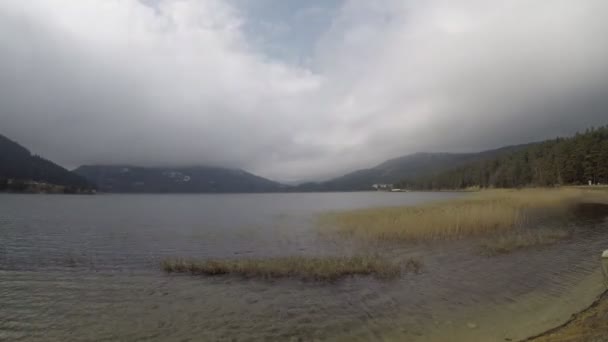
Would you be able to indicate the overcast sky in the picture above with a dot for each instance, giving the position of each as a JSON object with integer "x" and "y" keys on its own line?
{"x": 296, "y": 90}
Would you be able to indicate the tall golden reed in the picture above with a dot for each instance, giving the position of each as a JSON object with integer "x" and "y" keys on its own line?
{"x": 474, "y": 214}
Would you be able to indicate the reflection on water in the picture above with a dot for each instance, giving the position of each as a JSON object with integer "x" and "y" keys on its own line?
{"x": 86, "y": 269}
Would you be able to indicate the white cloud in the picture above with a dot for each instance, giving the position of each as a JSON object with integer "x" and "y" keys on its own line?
{"x": 180, "y": 82}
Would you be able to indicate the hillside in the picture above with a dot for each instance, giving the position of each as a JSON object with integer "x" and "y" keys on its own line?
{"x": 576, "y": 160}
{"x": 19, "y": 169}
{"x": 409, "y": 167}
{"x": 129, "y": 179}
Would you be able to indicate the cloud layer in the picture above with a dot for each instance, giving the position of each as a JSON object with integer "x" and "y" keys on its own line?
{"x": 185, "y": 82}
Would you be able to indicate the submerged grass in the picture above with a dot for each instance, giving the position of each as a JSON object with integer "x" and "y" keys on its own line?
{"x": 505, "y": 244}
{"x": 480, "y": 213}
{"x": 306, "y": 268}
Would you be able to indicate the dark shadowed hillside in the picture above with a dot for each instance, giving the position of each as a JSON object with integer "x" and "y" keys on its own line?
{"x": 411, "y": 167}
{"x": 129, "y": 179}
{"x": 581, "y": 159}
{"x": 18, "y": 166}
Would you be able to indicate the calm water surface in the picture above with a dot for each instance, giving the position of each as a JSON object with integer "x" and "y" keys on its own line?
{"x": 86, "y": 268}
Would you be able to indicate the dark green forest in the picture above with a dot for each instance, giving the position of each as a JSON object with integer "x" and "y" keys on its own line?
{"x": 410, "y": 166}
{"x": 576, "y": 160}
{"x": 18, "y": 167}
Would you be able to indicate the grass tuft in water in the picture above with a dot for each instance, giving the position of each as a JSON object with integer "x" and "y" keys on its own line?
{"x": 414, "y": 266}
{"x": 306, "y": 268}
{"x": 505, "y": 244}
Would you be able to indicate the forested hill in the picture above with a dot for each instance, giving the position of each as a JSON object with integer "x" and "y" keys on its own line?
{"x": 410, "y": 166}
{"x": 18, "y": 167}
{"x": 200, "y": 179}
{"x": 577, "y": 160}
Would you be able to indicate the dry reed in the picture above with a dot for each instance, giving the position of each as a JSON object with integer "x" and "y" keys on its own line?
{"x": 476, "y": 214}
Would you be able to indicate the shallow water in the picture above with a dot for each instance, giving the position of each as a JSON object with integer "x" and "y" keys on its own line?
{"x": 86, "y": 268}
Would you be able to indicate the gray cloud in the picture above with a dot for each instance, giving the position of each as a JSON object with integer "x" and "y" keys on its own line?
{"x": 186, "y": 82}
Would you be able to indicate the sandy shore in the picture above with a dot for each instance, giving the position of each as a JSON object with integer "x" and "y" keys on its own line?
{"x": 590, "y": 325}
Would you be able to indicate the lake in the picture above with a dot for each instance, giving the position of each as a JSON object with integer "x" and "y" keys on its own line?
{"x": 86, "y": 268}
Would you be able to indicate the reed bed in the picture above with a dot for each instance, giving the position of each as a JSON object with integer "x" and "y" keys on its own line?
{"x": 305, "y": 268}
{"x": 484, "y": 212}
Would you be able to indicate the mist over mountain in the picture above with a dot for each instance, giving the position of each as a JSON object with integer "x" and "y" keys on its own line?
{"x": 574, "y": 160}
{"x": 410, "y": 167}
{"x": 278, "y": 170}
{"x": 581, "y": 159}
{"x": 295, "y": 90}
{"x": 132, "y": 179}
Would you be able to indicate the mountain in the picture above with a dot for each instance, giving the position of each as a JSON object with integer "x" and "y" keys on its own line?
{"x": 20, "y": 171}
{"x": 581, "y": 159}
{"x": 131, "y": 179}
{"x": 407, "y": 167}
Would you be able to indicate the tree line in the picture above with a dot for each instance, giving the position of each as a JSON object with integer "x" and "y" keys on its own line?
{"x": 18, "y": 168}
{"x": 576, "y": 160}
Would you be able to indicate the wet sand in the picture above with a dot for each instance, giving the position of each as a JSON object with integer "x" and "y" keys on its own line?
{"x": 590, "y": 325}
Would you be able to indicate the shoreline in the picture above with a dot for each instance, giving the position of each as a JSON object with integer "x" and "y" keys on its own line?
{"x": 581, "y": 325}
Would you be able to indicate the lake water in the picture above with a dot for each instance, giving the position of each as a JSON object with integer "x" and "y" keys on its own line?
{"x": 86, "y": 268}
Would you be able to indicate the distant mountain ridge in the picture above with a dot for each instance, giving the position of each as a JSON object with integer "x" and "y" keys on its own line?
{"x": 408, "y": 167}
{"x": 20, "y": 169}
{"x": 199, "y": 179}
{"x": 581, "y": 159}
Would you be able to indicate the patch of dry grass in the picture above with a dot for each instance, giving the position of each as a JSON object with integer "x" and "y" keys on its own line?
{"x": 476, "y": 214}
{"x": 507, "y": 243}
{"x": 307, "y": 268}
